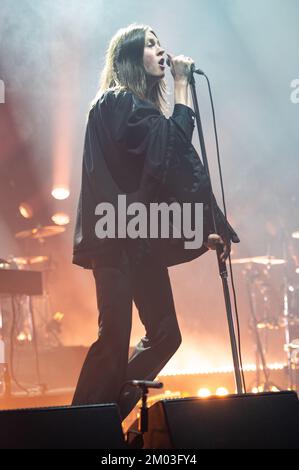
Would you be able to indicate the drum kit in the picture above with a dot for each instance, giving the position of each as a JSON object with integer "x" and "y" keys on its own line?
{"x": 280, "y": 313}
{"x": 22, "y": 278}
{"x": 38, "y": 233}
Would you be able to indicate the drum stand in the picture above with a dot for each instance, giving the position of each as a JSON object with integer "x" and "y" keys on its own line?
{"x": 260, "y": 356}
{"x": 291, "y": 348}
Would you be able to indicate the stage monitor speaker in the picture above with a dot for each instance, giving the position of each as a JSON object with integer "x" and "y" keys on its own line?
{"x": 263, "y": 421}
{"x": 65, "y": 427}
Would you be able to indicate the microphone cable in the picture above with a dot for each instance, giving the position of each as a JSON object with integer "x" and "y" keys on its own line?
{"x": 225, "y": 214}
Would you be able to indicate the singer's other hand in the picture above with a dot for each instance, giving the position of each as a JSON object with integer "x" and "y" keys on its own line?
{"x": 180, "y": 67}
{"x": 213, "y": 240}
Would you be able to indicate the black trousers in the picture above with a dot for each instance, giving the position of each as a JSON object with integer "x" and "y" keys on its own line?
{"x": 107, "y": 366}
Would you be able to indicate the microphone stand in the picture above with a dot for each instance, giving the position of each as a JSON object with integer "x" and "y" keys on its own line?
{"x": 137, "y": 441}
{"x": 221, "y": 264}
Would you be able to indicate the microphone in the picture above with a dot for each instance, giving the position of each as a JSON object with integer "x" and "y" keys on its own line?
{"x": 145, "y": 383}
{"x": 193, "y": 68}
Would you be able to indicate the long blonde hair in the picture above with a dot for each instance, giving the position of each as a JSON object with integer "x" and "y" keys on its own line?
{"x": 124, "y": 69}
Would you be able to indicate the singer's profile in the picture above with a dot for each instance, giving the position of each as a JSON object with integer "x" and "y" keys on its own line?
{"x": 132, "y": 148}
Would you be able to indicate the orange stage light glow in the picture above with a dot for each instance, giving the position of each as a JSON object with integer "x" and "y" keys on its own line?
{"x": 222, "y": 392}
{"x": 204, "y": 393}
{"x": 61, "y": 218}
{"x": 26, "y": 210}
{"x": 60, "y": 193}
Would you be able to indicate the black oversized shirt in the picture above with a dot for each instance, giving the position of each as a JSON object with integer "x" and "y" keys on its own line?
{"x": 132, "y": 149}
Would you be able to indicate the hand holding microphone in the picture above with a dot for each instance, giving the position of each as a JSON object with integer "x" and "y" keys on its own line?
{"x": 181, "y": 67}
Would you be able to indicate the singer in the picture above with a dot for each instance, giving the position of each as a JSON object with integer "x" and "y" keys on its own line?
{"x": 132, "y": 148}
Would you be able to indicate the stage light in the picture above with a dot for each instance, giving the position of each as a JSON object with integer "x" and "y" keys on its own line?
{"x": 55, "y": 324}
{"x": 58, "y": 316}
{"x": 60, "y": 218}
{"x": 23, "y": 337}
{"x": 222, "y": 392}
{"x": 60, "y": 193}
{"x": 274, "y": 389}
{"x": 173, "y": 372}
{"x": 203, "y": 393}
{"x": 26, "y": 210}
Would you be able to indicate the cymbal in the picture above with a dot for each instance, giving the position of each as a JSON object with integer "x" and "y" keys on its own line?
{"x": 295, "y": 234}
{"x": 30, "y": 259}
{"x": 41, "y": 232}
{"x": 242, "y": 261}
{"x": 266, "y": 260}
{"x": 294, "y": 344}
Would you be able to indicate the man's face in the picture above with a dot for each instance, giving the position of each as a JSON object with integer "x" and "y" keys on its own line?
{"x": 153, "y": 56}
